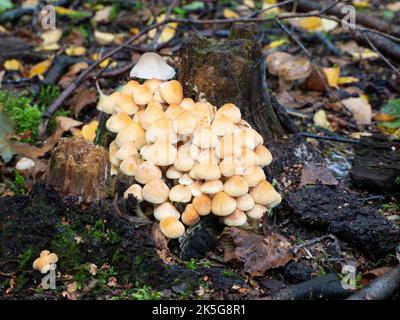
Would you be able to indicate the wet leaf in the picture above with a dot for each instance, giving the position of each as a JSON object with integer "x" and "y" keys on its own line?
{"x": 258, "y": 254}
{"x": 332, "y": 76}
{"x": 392, "y": 108}
{"x": 358, "y": 53}
{"x": 313, "y": 173}
{"x": 75, "y": 51}
{"x": 321, "y": 119}
{"x": 230, "y": 14}
{"x": 360, "y": 108}
{"x": 40, "y": 68}
{"x": 12, "y": 65}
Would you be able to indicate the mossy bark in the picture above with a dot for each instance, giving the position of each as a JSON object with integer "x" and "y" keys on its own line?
{"x": 231, "y": 72}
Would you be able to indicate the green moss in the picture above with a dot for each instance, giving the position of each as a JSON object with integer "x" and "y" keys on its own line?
{"x": 25, "y": 257}
{"x": 18, "y": 185}
{"x": 66, "y": 247}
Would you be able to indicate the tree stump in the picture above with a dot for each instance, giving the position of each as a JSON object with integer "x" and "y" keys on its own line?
{"x": 78, "y": 167}
{"x": 376, "y": 165}
{"x": 231, "y": 72}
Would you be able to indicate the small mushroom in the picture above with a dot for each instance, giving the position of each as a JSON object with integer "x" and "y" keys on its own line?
{"x": 142, "y": 94}
{"x": 256, "y": 212}
{"x": 180, "y": 193}
{"x": 164, "y": 210}
{"x": 155, "y": 191}
{"x": 153, "y": 84}
{"x": 222, "y": 125}
{"x": 245, "y": 202}
{"x": 171, "y": 92}
{"x": 128, "y": 150}
{"x": 128, "y": 88}
{"x": 45, "y": 262}
{"x": 161, "y": 153}
{"x": 173, "y": 174}
{"x": 136, "y": 191}
{"x": 190, "y": 215}
{"x": 185, "y": 179}
{"x": 231, "y": 166}
{"x": 185, "y": 123}
{"x": 230, "y": 111}
{"x": 152, "y": 66}
{"x": 236, "y": 219}
{"x": 121, "y": 102}
{"x": 187, "y": 103}
{"x": 118, "y": 121}
{"x": 161, "y": 130}
{"x": 202, "y": 204}
{"x": 275, "y": 61}
{"x": 207, "y": 171}
{"x": 146, "y": 172}
{"x": 253, "y": 175}
{"x": 236, "y": 186}
{"x": 173, "y": 111}
{"x": 223, "y": 204}
{"x": 129, "y": 166}
{"x": 24, "y": 164}
{"x": 195, "y": 188}
{"x": 172, "y": 228}
{"x": 212, "y": 187}
{"x": 264, "y": 156}
{"x": 134, "y": 133}
{"x": 265, "y": 194}
{"x": 150, "y": 115}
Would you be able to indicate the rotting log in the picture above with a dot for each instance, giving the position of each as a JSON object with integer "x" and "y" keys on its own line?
{"x": 376, "y": 165}
{"x": 78, "y": 167}
{"x": 232, "y": 72}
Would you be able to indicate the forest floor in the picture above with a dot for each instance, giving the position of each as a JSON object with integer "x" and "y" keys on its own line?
{"x": 329, "y": 217}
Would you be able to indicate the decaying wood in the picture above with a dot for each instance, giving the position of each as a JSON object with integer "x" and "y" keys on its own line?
{"x": 383, "y": 287}
{"x": 229, "y": 72}
{"x": 376, "y": 165}
{"x": 78, "y": 167}
{"x": 323, "y": 287}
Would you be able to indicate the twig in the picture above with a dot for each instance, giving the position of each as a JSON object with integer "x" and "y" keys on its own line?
{"x": 280, "y": 4}
{"x": 331, "y": 138}
{"x": 391, "y": 66}
{"x": 161, "y": 29}
{"x": 316, "y": 240}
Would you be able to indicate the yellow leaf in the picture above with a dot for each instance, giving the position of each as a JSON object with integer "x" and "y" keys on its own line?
{"x": 328, "y": 25}
{"x": 75, "y": 51}
{"x": 332, "y": 75}
{"x": 50, "y": 40}
{"x": 269, "y": 3}
{"x": 12, "y": 65}
{"x": 358, "y": 135}
{"x": 347, "y": 80}
{"x": 40, "y": 68}
{"x": 168, "y": 32}
{"x": 89, "y": 130}
{"x": 3, "y": 30}
{"x": 361, "y": 3}
{"x": 310, "y": 23}
{"x": 230, "y": 14}
{"x": 321, "y": 119}
{"x": 276, "y": 43}
{"x": 105, "y": 63}
{"x": 249, "y": 3}
{"x": 134, "y": 31}
{"x": 103, "y": 37}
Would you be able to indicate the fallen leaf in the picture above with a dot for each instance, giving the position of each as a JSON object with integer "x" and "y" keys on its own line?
{"x": 392, "y": 108}
{"x": 230, "y": 14}
{"x": 40, "y": 68}
{"x": 3, "y": 30}
{"x": 313, "y": 173}
{"x": 358, "y": 53}
{"x": 168, "y": 32}
{"x": 12, "y": 65}
{"x": 347, "y": 80}
{"x": 321, "y": 119}
{"x": 63, "y": 124}
{"x": 380, "y": 116}
{"x": 370, "y": 275}
{"x": 258, "y": 254}
{"x": 6, "y": 129}
{"x": 332, "y": 76}
{"x": 83, "y": 98}
{"x": 67, "y": 78}
{"x": 394, "y": 6}
{"x": 296, "y": 100}
{"x": 103, "y": 15}
{"x": 310, "y": 23}
{"x": 89, "y": 130}
{"x": 104, "y": 38}
{"x": 71, "y": 13}
{"x": 75, "y": 51}
{"x": 362, "y": 4}
{"x": 328, "y": 25}
{"x": 360, "y": 108}
{"x": 276, "y": 43}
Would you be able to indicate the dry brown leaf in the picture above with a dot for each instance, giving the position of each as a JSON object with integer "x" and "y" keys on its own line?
{"x": 82, "y": 99}
{"x": 161, "y": 244}
{"x": 63, "y": 124}
{"x": 313, "y": 173}
{"x": 360, "y": 108}
{"x": 296, "y": 100}
{"x": 67, "y": 78}
{"x": 258, "y": 254}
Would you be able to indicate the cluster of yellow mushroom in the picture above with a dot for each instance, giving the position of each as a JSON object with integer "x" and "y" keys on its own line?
{"x": 211, "y": 158}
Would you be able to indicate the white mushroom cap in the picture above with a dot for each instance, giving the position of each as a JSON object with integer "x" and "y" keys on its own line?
{"x": 118, "y": 121}
{"x": 231, "y": 111}
{"x": 131, "y": 133}
{"x": 146, "y": 172}
{"x": 171, "y": 92}
{"x": 236, "y": 219}
{"x": 185, "y": 179}
{"x": 161, "y": 153}
{"x": 236, "y": 186}
{"x": 256, "y": 212}
{"x": 207, "y": 171}
{"x": 245, "y": 202}
{"x": 190, "y": 215}
{"x": 265, "y": 194}
{"x": 223, "y": 204}
{"x": 180, "y": 193}
{"x": 195, "y": 188}
{"x": 202, "y": 204}
{"x": 231, "y": 166}
{"x": 172, "y": 228}
{"x": 164, "y": 210}
{"x": 211, "y": 187}
{"x": 128, "y": 150}
{"x": 264, "y": 156}
{"x": 156, "y": 191}
{"x": 24, "y": 164}
{"x": 136, "y": 191}
{"x": 172, "y": 173}
{"x": 142, "y": 94}
{"x": 161, "y": 130}
{"x": 253, "y": 175}
{"x": 207, "y": 156}
{"x": 122, "y": 103}
{"x": 152, "y": 66}
{"x": 129, "y": 166}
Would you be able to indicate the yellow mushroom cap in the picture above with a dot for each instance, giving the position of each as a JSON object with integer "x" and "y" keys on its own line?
{"x": 43, "y": 263}
{"x": 173, "y": 174}
{"x": 185, "y": 123}
{"x": 223, "y": 204}
{"x": 173, "y": 111}
{"x": 172, "y": 228}
{"x": 118, "y": 121}
{"x": 202, "y": 204}
{"x": 228, "y": 147}
{"x": 184, "y": 161}
{"x": 203, "y": 111}
{"x": 128, "y": 88}
{"x": 161, "y": 130}
{"x": 256, "y": 212}
{"x": 195, "y": 188}
{"x": 236, "y": 219}
{"x": 190, "y": 215}
{"x": 230, "y": 111}
{"x": 153, "y": 84}
{"x": 185, "y": 179}
{"x": 230, "y": 166}
{"x": 155, "y": 191}
{"x": 112, "y": 151}
{"x": 122, "y": 103}
{"x": 187, "y": 103}
{"x": 248, "y": 158}
{"x": 265, "y": 194}
{"x": 164, "y": 210}
{"x": 264, "y": 156}
{"x": 146, "y": 172}
{"x": 171, "y": 92}
{"x": 161, "y": 153}
{"x": 136, "y": 191}
{"x": 150, "y": 115}
{"x": 142, "y": 94}
{"x": 236, "y": 186}
{"x": 129, "y": 166}
{"x": 132, "y": 133}
{"x": 222, "y": 126}
{"x": 180, "y": 193}
{"x": 205, "y": 138}
{"x": 128, "y": 150}
{"x": 207, "y": 156}
{"x": 253, "y": 175}
{"x": 211, "y": 187}
{"x": 245, "y": 202}
{"x": 207, "y": 171}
